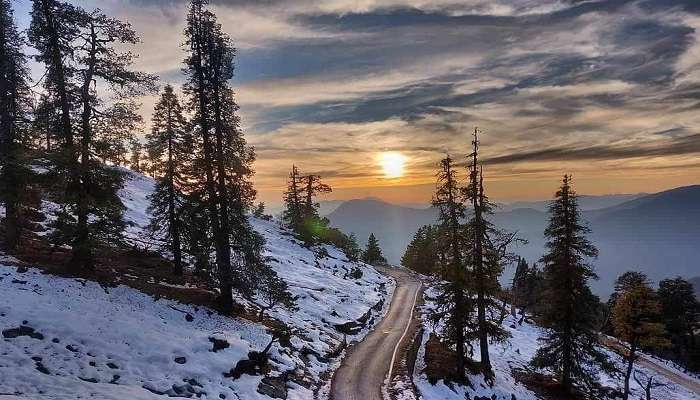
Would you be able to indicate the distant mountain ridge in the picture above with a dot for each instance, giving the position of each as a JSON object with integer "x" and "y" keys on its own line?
{"x": 658, "y": 233}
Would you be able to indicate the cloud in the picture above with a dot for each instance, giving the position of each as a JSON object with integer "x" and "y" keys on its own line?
{"x": 609, "y": 85}
{"x": 677, "y": 146}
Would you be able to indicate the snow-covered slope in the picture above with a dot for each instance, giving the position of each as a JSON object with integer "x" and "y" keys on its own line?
{"x": 118, "y": 343}
{"x": 516, "y": 353}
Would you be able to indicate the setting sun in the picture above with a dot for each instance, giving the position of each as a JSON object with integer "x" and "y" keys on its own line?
{"x": 393, "y": 164}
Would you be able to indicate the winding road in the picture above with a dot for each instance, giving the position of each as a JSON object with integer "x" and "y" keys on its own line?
{"x": 362, "y": 373}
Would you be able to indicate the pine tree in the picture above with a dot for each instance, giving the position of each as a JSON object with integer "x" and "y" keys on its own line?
{"x": 301, "y": 209}
{"x": 167, "y": 144}
{"x": 456, "y": 307}
{"x": 422, "y": 252}
{"x": 487, "y": 253}
{"x": 98, "y": 185}
{"x": 293, "y": 215}
{"x": 681, "y": 313}
{"x": 637, "y": 320}
{"x": 114, "y": 129}
{"x": 569, "y": 347}
{"x": 526, "y": 287}
{"x": 91, "y": 210}
{"x": 313, "y": 225}
{"x": 54, "y": 28}
{"x": 45, "y": 125}
{"x": 14, "y": 107}
{"x": 259, "y": 212}
{"x": 223, "y": 157}
{"x": 136, "y": 156}
{"x": 373, "y": 253}
{"x": 352, "y": 248}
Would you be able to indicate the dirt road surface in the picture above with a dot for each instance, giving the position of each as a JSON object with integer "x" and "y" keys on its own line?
{"x": 362, "y": 373}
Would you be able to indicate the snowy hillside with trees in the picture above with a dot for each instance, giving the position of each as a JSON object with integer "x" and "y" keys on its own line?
{"x": 67, "y": 338}
{"x": 511, "y": 360}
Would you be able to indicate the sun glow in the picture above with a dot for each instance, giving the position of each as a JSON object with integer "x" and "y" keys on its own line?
{"x": 392, "y": 163}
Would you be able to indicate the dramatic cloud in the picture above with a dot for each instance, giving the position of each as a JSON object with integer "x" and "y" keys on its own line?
{"x": 608, "y": 90}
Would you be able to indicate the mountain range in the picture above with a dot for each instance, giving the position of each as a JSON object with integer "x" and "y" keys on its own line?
{"x": 658, "y": 234}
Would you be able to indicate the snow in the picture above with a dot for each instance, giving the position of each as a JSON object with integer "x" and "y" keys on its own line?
{"x": 516, "y": 352}
{"x": 141, "y": 337}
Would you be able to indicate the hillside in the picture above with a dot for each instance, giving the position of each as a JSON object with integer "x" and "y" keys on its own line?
{"x": 656, "y": 234}
{"x": 510, "y": 361}
{"x": 68, "y": 338}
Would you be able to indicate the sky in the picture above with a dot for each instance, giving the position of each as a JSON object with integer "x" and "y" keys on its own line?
{"x": 608, "y": 91}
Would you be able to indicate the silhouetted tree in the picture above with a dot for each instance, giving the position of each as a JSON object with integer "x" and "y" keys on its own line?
{"x": 136, "y": 156}
{"x": 569, "y": 347}
{"x": 637, "y": 320}
{"x": 167, "y": 144}
{"x": 293, "y": 215}
{"x": 681, "y": 313}
{"x": 313, "y": 224}
{"x": 373, "y": 253}
{"x": 223, "y": 161}
{"x": 422, "y": 252}
{"x": 527, "y": 288}
{"x": 486, "y": 254}
{"x": 14, "y": 108}
{"x": 455, "y": 306}
{"x": 259, "y": 212}
{"x": 301, "y": 209}
{"x": 54, "y": 28}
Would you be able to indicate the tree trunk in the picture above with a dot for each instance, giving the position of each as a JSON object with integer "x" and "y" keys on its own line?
{"x": 60, "y": 78}
{"x": 223, "y": 259}
{"x": 225, "y": 282}
{"x": 479, "y": 233}
{"x": 630, "y": 368}
{"x": 82, "y": 253}
{"x": 461, "y": 362}
{"x": 173, "y": 219}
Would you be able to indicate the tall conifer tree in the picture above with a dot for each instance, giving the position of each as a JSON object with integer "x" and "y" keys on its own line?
{"x": 14, "y": 107}
{"x": 456, "y": 307}
{"x": 91, "y": 210}
{"x": 293, "y": 214}
{"x": 223, "y": 159}
{"x": 167, "y": 144}
{"x": 570, "y": 346}
{"x": 486, "y": 253}
{"x": 373, "y": 253}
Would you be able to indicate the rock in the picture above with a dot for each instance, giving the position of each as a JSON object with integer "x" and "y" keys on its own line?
{"x": 71, "y": 348}
{"x": 180, "y": 360}
{"x": 189, "y": 317}
{"x": 348, "y": 328}
{"x": 115, "y": 379}
{"x": 91, "y": 380}
{"x": 379, "y": 305}
{"x": 219, "y": 344}
{"x": 22, "y": 330}
{"x": 92, "y": 363}
{"x": 112, "y": 365}
{"x": 273, "y": 387}
{"x": 41, "y": 368}
{"x": 55, "y": 340}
